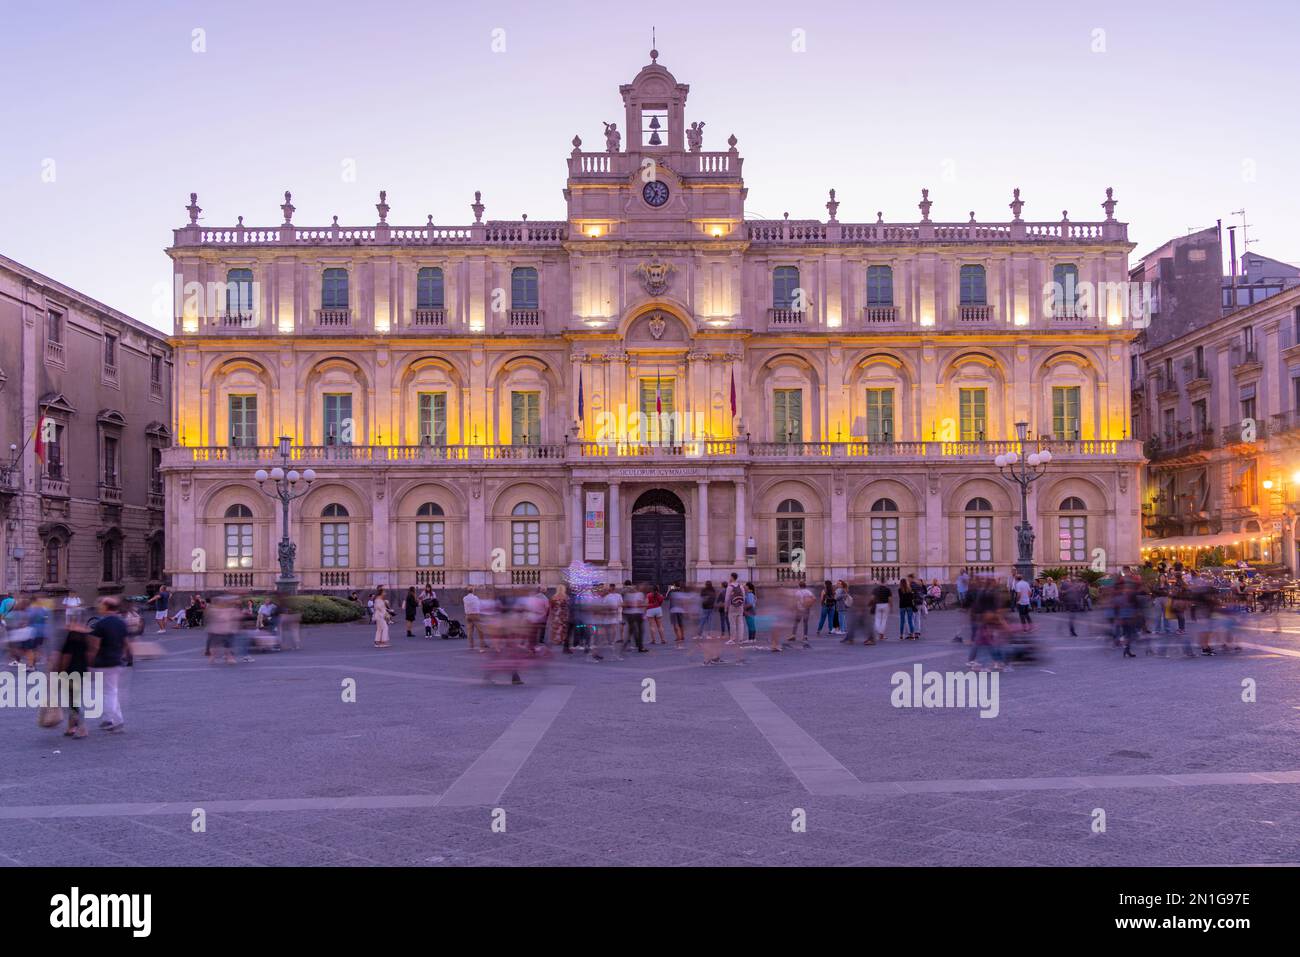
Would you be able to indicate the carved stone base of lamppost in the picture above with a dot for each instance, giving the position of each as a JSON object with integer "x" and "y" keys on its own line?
{"x": 287, "y": 583}
{"x": 1025, "y": 542}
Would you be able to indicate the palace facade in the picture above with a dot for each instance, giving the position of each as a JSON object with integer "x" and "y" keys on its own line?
{"x": 655, "y": 384}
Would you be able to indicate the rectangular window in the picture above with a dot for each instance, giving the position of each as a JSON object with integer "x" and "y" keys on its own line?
{"x": 973, "y": 289}
{"x": 880, "y": 415}
{"x": 525, "y": 418}
{"x": 338, "y": 418}
{"x": 53, "y": 327}
{"x": 428, "y": 294}
{"x": 1065, "y": 412}
{"x": 789, "y": 536}
{"x": 787, "y": 415}
{"x": 54, "y": 453}
{"x": 972, "y": 409}
{"x": 1073, "y": 538}
{"x": 658, "y": 405}
{"x": 1198, "y": 360}
{"x": 433, "y": 418}
{"x": 1200, "y": 417}
{"x": 243, "y": 419}
{"x": 523, "y": 288}
{"x": 334, "y": 545}
{"x": 979, "y": 538}
{"x": 1167, "y": 424}
{"x": 430, "y": 544}
{"x": 334, "y": 289}
{"x": 155, "y": 469}
{"x": 111, "y": 554}
{"x": 884, "y": 540}
{"x": 1295, "y": 393}
{"x": 1248, "y": 339}
{"x": 1248, "y": 407}
{"x": 155, "y": 371}
{"x": 239, "y": 545}
{"x": 525, "y": 543}
{"x": 880, "y": 286}
{"x": 110, "y": 461}
{"x": 110, "y": 352}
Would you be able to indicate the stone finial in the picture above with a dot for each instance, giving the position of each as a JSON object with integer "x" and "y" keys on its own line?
{"x": 382, "y": 206}
{"x": 240, "y": 224}
{"x": 924, "y": 205}
{"x": 431, "y": 219}
{"x": 335, "y": 224}
{"x": 972, "y": 215}
{"x": 787, "y": 216}
{"x": 577, "y": 143}
{"x": 732, "y": 141}
{"x": 1065, "y": 215}
{"x": 193, "y": 209}
{"x": 1109, "y": 205}
{"x": 832, "y": 207}
{"x": 287, "y": 208}
{"x": 524, "y": 217}
{"x": 478, "y": 207}
{"x": 880, "y": 217}
{"x": 1017, "y": 204}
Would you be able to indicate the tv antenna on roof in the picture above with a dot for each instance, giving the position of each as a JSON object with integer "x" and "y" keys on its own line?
{"x": 1245, "y": 240}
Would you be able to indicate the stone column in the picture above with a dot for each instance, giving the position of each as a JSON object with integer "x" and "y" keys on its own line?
{"x": 576, "y": 525}
{"x": 615, "y": 520}
{"x": 702, "y": 562}
{"x": 741, "y": 524}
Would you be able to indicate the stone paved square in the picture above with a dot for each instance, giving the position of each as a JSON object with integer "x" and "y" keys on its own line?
{"x": 584, "y": 772}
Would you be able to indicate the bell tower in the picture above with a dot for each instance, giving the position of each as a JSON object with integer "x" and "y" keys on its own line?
{"x": 656, "y": 107}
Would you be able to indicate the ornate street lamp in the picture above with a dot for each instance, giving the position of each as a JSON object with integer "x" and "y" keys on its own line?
{"x": 1024, "y": 470}
{"x": 283, "y": 482}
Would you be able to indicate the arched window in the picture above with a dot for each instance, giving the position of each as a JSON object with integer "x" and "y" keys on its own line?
{"x": 1073, "y": 531}
{"x": 1065, "y": 289}
{"x": 789, "y": 530}
{"x": 335, "y": 538}
{"x": 880, "y": 286}
{"x": 239, "y": 536}
{"x": 239, "y": 293}
{"x": 884, "y": 532}
{"x": 979, "y": 531}
{"x": 785, "y": 282}
{"x": 334, "y": 289}
{"x": 430, "y": 537}
{"x": 525, "y": 536}
{"x": 428, "y": 288}
{"x": 974, "y": 291}
{"x": 523, "y": 288}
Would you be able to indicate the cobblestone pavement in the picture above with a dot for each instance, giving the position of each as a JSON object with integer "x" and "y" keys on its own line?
{"x": 719, "y": 768}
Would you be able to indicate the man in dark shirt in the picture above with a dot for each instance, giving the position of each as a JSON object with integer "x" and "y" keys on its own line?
{"x": 107, "y": 651}
{"x": 74, "y": 659}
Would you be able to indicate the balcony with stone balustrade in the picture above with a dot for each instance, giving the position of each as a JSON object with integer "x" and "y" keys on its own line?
{"x": 576, "y": 453}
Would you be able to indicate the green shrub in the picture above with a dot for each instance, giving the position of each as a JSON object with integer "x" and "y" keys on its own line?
{"x": 1055, "y": 574}
{"x": 316, "y": 609}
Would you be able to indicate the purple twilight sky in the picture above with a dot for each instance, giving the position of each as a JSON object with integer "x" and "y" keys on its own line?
{"x": 113, "y": 114}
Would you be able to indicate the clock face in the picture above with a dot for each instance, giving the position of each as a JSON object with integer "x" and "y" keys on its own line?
{"x": 655, "y": 193}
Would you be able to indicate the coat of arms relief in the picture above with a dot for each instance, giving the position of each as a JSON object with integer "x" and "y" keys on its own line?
{"x": 655, "y": 276}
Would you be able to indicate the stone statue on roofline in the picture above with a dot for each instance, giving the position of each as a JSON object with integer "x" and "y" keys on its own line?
{"x": 695, "y": 137}
{"x": 613, "y": 138}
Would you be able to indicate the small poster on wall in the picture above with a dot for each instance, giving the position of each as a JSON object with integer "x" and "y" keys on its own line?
{"x": 593, "y": 528}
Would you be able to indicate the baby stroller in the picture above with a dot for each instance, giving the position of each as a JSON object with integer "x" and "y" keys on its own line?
{"x": 447, "y": 626}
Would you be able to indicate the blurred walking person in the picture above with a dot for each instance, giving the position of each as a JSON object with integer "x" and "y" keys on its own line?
{"x": 107, "y": 651}
{"x": 383, "y": 615}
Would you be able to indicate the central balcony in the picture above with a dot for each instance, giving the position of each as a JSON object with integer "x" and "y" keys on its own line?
{"x": 334, "y": 318}
{"x": 582, "y": 453}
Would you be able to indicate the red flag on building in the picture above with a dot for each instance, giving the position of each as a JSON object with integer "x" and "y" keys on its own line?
{"x": 39, "y": 437}
{"x": 659, "y": 399}
{"x": 733, "y": 393}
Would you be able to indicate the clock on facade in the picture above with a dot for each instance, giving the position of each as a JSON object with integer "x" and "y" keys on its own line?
{"x": 655, "y": 193}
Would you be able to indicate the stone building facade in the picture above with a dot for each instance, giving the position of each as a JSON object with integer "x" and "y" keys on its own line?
{"x": 655, "y": 384}
{"x": 95, "y": 387}
{"x": 1219, "y": 409}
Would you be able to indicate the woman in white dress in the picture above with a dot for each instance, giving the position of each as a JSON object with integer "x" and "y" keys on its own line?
{"x": 381, "y": 619}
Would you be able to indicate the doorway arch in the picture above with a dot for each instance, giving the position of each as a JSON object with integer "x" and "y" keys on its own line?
{"x": 658, "y": 538}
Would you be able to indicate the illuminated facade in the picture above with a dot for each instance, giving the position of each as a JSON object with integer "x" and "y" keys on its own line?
{"x": 488, "y": 403}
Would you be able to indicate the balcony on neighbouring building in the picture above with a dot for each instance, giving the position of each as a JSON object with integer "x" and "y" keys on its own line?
{"x": 1240, "y": 435}
{"x": 54, "y": 485}
{"x": 54, "y": 352}
{"x": 1179, "y": 445}
{"x": 110, "y": 492}
{"x": 1286, "y": 424}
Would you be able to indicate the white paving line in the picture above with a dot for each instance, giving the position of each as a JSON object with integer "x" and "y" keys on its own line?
{"x": 812, "y": 764}
{"x": 488, "y": 777}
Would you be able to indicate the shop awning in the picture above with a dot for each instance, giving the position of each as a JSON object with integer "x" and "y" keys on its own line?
{"x": 1202, "y": 541}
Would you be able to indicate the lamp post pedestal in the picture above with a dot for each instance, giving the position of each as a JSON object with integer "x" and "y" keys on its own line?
{"x": 1024, "y": 470}
{"x": 282, "y": 481}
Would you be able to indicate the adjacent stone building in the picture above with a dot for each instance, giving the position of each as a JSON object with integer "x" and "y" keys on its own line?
{"x": 92, "y": 388}
{"x": 655, "y": 384}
